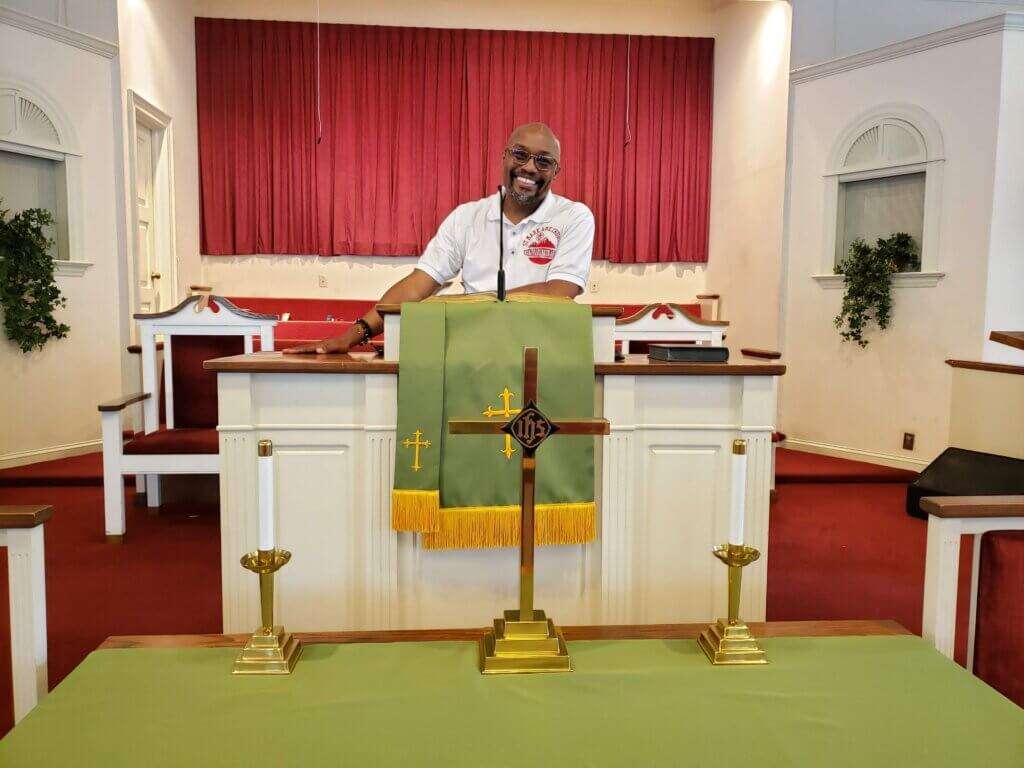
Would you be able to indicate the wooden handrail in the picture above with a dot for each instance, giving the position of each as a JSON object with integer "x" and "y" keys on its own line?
{"x": 1009, "y": 338}
{"x": 973, "y": 506}
{"x": 24, "y": 515}
{"x": 136, "y": 349}
{"x": 977, "y": 365}
{"x": 764, "y": 354}
{"x": 120, "y": 403}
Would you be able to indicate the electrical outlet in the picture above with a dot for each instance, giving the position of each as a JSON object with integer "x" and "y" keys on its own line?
{"x": 908, "y": 441}
{"x": 594, "y": 286}
{"x": 321, "y": 280}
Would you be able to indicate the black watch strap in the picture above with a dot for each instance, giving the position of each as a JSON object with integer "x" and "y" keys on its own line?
{"x": 367, "y": 331}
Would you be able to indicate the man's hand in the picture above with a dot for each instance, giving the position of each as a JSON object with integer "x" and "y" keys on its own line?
{"x": 414, "y": 287}
{"x": 333, "y": 345}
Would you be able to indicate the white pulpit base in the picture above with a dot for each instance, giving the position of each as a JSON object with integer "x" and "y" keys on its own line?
{"x": 662, "y": 485}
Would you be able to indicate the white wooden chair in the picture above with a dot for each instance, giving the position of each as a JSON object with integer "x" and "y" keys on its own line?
{"x": 668, "y": 322}
{"x": 21, "y": 532}
{"x": 948, "y": 518}
{"x": 199, "y": 328}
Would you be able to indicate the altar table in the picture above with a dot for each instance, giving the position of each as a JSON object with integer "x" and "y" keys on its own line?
{"x": 835, "y": 694}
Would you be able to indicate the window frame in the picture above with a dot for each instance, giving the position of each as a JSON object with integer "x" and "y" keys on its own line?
{"x": 64, "y": 151}
{"x": 930, "y": 161}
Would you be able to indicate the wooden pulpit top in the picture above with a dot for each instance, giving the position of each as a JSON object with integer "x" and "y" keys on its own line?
{"x": 633, "y": 365}
{"x": 596, "y": 310}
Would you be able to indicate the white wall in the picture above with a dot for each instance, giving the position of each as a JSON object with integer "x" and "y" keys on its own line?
{"x": 830, "y": 29}
{"x": 1004, "y": 297}
{"x": 836, "y": 396}
{"x": 748, "y": 153}
{"x": 48, "y": 399}
{"x": 97, "y": 18}
{"x": 158, "y": 61}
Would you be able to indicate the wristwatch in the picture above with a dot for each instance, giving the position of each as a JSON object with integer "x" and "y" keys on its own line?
{"x": 367, "y": 331}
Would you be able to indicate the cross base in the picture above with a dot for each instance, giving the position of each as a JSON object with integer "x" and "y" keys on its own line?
{"x": 725, "y": 643}
{"x": 522, "y": 647}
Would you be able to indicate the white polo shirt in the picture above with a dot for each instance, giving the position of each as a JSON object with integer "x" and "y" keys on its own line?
{"x": 552, "y": 243}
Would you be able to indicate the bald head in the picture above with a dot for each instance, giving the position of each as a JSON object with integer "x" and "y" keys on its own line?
{"x": 537, "y": 134}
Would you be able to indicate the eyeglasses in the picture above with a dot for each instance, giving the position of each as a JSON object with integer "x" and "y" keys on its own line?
{"x": 543, "y": 163}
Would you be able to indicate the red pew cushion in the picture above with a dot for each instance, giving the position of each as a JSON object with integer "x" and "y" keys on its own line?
{"x": 195, "y": 389}
{"x": 164, "y": 441}
{"x": 999, "y": 643}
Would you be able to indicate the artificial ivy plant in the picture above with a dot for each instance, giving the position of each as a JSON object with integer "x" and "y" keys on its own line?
{"x": 28, "y": 293}
{"x": 867, "y": 275}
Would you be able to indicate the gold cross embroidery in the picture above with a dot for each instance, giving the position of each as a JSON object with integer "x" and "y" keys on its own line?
{"x": 416, "y": 444}
{"x": 505, "y": 413}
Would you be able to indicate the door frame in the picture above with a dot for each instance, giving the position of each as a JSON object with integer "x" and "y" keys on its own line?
{"x": 159, "y": 122}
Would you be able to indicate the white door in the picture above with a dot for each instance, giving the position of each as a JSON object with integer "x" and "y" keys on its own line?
{"x": 147, "y": 264}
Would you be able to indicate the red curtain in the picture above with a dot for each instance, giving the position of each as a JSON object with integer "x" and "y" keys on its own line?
{"x": 367, "y": 153}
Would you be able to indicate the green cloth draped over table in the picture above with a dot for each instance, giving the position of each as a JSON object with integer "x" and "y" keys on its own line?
{"x": 839, "y": 702}
{"x": 464, "y": 359}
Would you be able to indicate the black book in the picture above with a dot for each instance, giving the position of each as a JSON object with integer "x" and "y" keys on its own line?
{"x": 688, "y": 353}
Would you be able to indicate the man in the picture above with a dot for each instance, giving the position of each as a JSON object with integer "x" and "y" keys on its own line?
{"x": 548, "y": 240}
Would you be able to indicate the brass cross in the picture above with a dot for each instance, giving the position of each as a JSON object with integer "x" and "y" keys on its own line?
{"x": 506, "y": 412}
{"x": 530, "y": 428}
{"x": 416, "y": 444}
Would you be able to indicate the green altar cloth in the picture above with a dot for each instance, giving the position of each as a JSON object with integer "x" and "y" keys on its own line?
{"x": 844, "y": 701}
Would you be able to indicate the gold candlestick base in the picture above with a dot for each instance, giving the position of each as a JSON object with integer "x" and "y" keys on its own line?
{"x": 274, "y": 653}
{"x": 520, "y": 647}
{"x": 270, "y": 650}
{"x": 728, "y": 641}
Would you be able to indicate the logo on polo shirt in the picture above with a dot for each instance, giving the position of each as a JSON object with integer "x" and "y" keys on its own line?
{"x": 541, "y": 244}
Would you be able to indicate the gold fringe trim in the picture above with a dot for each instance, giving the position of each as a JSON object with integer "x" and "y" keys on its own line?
{"x": 415, "y": 511}
{"x": 476, "y": 527}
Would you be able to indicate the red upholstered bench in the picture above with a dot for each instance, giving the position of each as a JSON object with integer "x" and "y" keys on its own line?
{"x": 314, "y": 319}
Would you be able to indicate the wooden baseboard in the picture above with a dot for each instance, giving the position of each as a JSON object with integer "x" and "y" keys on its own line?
{"x": 854, "y": 454}
{"x": 20, "y": 458}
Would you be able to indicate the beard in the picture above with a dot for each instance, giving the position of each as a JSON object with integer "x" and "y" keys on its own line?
{"x": 524, "y": 198}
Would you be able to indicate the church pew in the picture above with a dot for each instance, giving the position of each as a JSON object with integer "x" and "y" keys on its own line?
{"x": 21, "y": 533}
{"x": 949, "y": 517}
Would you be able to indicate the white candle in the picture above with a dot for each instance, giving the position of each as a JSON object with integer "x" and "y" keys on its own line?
{"x": 738, "y": 502}
{"x": 265, "y": 472}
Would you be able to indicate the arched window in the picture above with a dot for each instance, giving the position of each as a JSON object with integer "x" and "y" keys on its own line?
{"x": 39, "y": 168}
{"x": 884, "y": 177}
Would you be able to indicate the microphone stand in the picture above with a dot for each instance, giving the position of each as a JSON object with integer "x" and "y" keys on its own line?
{"x": 501, "y": 243}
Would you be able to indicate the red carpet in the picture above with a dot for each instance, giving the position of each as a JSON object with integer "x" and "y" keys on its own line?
{"x": 86, "y": 469}
{"x": 164, "y": 579}
{"x": 842, "y": 551}
{"x": 801, "y": 467}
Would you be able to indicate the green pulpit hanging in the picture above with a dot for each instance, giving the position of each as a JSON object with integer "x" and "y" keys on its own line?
{"x": 460, "y": 359}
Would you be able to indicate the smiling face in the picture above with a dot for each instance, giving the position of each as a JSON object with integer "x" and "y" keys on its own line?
{"x": 526, "y": 183}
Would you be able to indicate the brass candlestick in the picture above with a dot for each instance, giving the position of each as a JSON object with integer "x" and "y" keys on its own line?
{"x": 730, "y": 641}
{"x": 270, "y": 650}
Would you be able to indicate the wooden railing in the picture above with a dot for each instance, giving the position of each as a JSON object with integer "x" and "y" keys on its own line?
{"x": 1010, "y": 338}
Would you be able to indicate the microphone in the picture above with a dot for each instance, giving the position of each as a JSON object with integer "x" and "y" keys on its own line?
{"x": 501, "y": 243}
